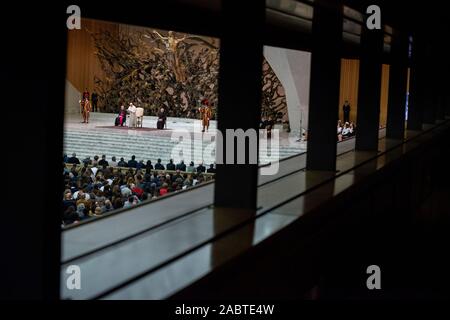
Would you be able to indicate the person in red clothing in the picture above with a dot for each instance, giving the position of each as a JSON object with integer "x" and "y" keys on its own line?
{"x": 164, "y": 189}
{"x": 137, "y": 191}
{"x": 86, "y": 94}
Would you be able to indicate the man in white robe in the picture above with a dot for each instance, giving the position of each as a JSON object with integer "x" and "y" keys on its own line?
{"x": 132, "y": 111}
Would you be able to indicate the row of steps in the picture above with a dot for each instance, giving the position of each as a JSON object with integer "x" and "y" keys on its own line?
{"x": 150, "y": 147}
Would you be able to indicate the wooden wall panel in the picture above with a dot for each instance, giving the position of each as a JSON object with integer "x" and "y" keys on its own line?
{"x": 384, "y": 94}
{"x": 82, "y": 63}
{"x": 349, "y": 87}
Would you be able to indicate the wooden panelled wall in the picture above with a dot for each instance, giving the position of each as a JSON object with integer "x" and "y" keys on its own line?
{"x": 384, "y": 94}
{"x": 82, "y": 63}
{"x": 349, "y": 89}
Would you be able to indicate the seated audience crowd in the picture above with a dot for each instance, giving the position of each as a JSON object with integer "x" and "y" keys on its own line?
{"x": 95, "y": 187}
{"x": 345, "y": 131}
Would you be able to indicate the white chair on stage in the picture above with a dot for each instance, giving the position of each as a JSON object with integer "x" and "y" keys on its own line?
{"x": 139, "y": 117}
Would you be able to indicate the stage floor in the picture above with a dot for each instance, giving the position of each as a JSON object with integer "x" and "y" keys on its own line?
{"x": 181, "y": 140}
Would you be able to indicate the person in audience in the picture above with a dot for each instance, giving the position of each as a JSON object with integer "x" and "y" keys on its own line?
{"x": 122, "y": 163}
{"x": 103, "y": 161}
{"x": 93, "y": 171}
{"x": 164, "y": 189}
{"x": 346, "y": 131}
{"x": 73, "y": 159}
{"x": 81, "y": 210}
{"x": 194, "y": 179}
{"x": 95, "y": 161}
{"x": 93, "y": 191}
{"x": 131, "y": 201}
{"x": 65, "y": 158}
{"x": 97, "y": 212}
{"x": 211, "y": 169}
{"x": 118, "y": 203}
{"x": 177, "y": 176}
{"x": 148, "y": 166}
{"x": 191, "y": 167}
{"x": 107, "y": 206}
{"x": 170, "y": 165}
{"x": 339, "y": 130}
{"x": 113, "y": 162}
{"x": 187, "y": 181}
{"x": 352, "y": 129}
{"x": 87, "y": 161}
{"x": 125, "y": 191}
{"x": 201, "y": 168}
{"x": 68, "y": 200}
{"x": 70, "y": 216}
{"x": 81, "y": 199}
{"x": 132, "y": 163}
{"x": 65, "y": 169}
{"x": 181, "y": 166}
{"x": 140, "y": 165}
{"x": 159, "y": 165}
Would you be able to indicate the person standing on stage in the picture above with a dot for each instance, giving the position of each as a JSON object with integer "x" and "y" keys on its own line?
{"x": 133, "y": 119}
{"x": 205, "y": 112}
{"x": 161, "y": 119}
{"x": 85, "y": 109}
{"x": 346, "y": 109}
{"x": 86, "y": 94}
{"x": 94, "y": 99}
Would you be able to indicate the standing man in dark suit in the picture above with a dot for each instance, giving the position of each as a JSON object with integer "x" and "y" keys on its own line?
{"x": 94, "y": 99}
{"x": 346, "y": 109}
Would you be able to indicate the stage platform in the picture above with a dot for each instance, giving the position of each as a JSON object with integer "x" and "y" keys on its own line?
{"x": 100, "y": 136}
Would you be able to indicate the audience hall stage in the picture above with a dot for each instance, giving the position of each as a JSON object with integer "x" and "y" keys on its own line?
{"x": 100, "y": 136}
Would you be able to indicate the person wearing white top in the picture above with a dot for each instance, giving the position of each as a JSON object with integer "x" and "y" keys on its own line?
{"x": 346, "y": 130}
{"x": 132, "y": 111}
{"x": 113, "y": 162}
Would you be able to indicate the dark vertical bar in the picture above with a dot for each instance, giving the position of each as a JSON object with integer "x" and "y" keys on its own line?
{"x": 416, "y": 87}
{"x": 324, "y": 87}
{"x": 446, "y": 97}
{"x": 239, "y": 96}
{"x": 445, "y": 81}
{"x": 369, "y": 90}
{"x": 439, "y": 76}
{"x": 430, "y": 66}
{"x": 397, "y": 87}
{"x": 30, "y": 226}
